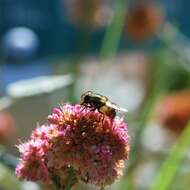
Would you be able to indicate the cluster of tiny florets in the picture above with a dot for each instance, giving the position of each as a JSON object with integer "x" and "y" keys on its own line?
{"x": 76, "y": 137}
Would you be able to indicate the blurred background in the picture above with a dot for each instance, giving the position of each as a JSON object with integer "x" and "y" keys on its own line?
{"x": 135, "y": 52}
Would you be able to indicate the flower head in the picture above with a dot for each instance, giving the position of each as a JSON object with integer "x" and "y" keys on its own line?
{"x": 32, "y": 166}
{"x": 78, "y": 137}
{"x": 173, "y": 111}
{"x": 90, "y": 14}
{"x": 143, "y": 20}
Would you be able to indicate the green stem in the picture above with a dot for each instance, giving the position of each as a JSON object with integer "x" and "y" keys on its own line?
{"x": 174, "y": 40}
{"x": 113, "y": 33}
{"x": 70, "y": 179}
{"x": 172, "y": 163}
{"x": 157, "y": 90}
{"x": 143, "y": 123}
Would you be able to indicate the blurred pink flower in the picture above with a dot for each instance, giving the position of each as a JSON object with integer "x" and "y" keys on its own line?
{"x": 173, "y": 110}
{"x": 144, "y": 19}
{"x": 77, "y": 137}
{"x": 91, "y": 14}
{"x": 7, "y": 126}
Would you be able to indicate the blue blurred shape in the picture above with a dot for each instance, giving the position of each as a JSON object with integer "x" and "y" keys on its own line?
{"x": 14, "y": 72}
{"x": 20, "y": 43}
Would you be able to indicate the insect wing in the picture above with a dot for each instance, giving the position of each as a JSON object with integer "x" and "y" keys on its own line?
{"x": 119, "y": 110}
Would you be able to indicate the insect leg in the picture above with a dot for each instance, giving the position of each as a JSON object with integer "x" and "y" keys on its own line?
{"x": 86, "y": 106}
{"x": 102, "y": 117}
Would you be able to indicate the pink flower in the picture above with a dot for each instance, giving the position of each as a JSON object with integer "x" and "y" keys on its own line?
{"x": 7, "y": 126}
{"x": 56, "y": 117}
{"x": 32, "y": 165}
{"x": 92, "y": 146}
{"x": 76, "y": 137}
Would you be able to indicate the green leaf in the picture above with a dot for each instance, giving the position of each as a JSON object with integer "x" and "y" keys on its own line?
{"x": 172, "y": 163}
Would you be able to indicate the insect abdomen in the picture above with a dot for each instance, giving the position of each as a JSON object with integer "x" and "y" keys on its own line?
{"x": 110, "y": 112}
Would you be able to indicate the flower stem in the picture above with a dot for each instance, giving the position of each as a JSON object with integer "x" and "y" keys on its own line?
{"x": 70, "y": 179}
{"x": 173, "y": 162}
{"x": 176, "y": 42}
{"x": 114, "y": 32}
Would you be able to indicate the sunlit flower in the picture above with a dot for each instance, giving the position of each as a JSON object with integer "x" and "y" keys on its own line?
{"x": 77, "y": 137}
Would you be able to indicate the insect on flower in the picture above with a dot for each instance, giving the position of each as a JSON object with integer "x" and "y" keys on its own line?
{"x": 75, "y": 141}
{"x": 102, "y": 104}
